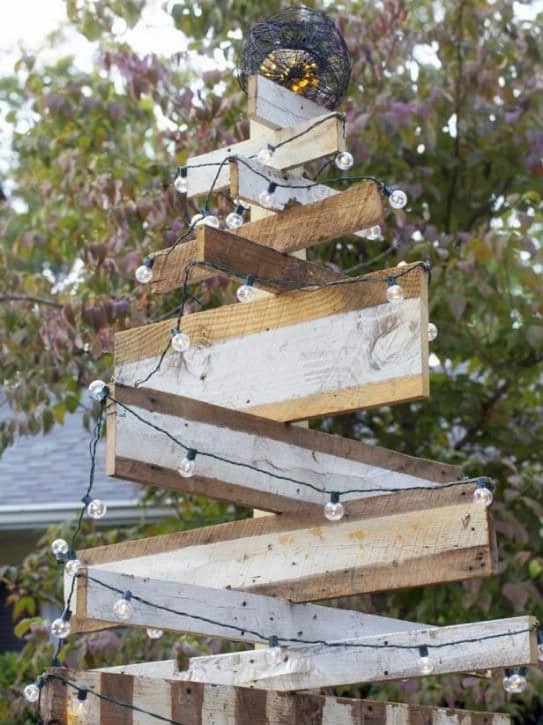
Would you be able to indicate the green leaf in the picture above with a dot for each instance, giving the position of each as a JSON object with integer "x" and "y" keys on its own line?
{"x": 535, "y": 568}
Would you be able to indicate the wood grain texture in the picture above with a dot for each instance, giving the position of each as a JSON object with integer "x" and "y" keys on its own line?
{"x": 454, "y": 648}
{"x": 326, "y": 461}
{"x": 326, "y": 138}
{"x": 193, "y": 703}
{"x": 241, "y": 256}
{"x": 318, "y": 221}
{"x": 311, "y": 353}
{"x": 276, "y": 107}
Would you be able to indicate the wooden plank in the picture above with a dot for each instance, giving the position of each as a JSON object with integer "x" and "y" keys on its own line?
{"x": 320, "y": 559}
{"x": 326, "y": 138}
{"x": 276, "y": 107}
{"x": 325, "y": 461}
{"x": 257, "y": 615}
{"x": 299, "y": 227}
{"x": 235, "y": 254}
{"x": 193, "y": 703}
{"x": 455, "y": 648}
{"x": 311, "y": 353}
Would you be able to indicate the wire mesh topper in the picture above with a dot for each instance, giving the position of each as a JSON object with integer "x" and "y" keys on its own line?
{"x": 300, "y": 49}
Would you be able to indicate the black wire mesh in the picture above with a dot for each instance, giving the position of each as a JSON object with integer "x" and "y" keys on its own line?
{"x": 300, "y": 49}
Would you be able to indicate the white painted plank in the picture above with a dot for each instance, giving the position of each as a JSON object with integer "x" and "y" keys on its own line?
{"x": 331, "y": 666}
{"x": 253, "y": 613}
{"x": 153, "y": 695}
{"x": 277, "y": 107}
{"x": 397, "y": 714}
{"x": 139, "y": 442}
{"x": 338, "y": 352}
{"x": 160, "y": 668}
{"x": 327, "y": 138}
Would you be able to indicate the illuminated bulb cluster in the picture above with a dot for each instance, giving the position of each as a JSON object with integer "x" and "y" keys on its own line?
{"x": 180, "y": 182}
{"x": 187, "y": 464}
{"x": 98, "y": 390}
{"x": 394, "y": 292}
{"x": 482, "y": 493}
{"x": 334, "y": 509}
{"x": 344, "y": 161}
{"x": 61, "y": 626}
{"x": 246, "y": 292}
{"x": 144, "y": 273}
{"x": 265, "y": 198}
{"x": 515, "y": 682}
{"x": 122, "y": 608}
{"x": 180, "y": 341}
{"x": 275, "y": 653}
{"x": 426, "y": 666}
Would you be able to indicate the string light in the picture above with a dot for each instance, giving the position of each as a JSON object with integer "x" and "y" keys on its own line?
{"x": 344, "y": 161}
{"x": 180, "y": 182}
{"x": 196, "y": 219}
{"x": 234, "y": 220}
{"x": 515, "y": 681}
{"x": 187, "y": 465}
{"x": 79, "y": 703}
{"x": 396, "y": 197}
{"x": 31, "y": 693}
{"x": 432, "y": 332}
{"x": 180, "y": 341}
{"x": 144, "y": 273}
{"x": 265, "y": 155}
{"x": 246, "y": 292}
{"x": 483, "y": 493}
{"x": 61, "y": 626}
{"x": 98, "y": 390}
{"x": 334, "y": 509}
{"x": 265, "y": 198}
{"x": 210, "y": 220}
{"x": 96, "y": 508}
{"x": 275, "y": 653}
{"x": 426, "y": 666}
{"x": 72, "y": 566}
{"x": 60, "y": 547}
{"x": 154, "y": 632}
{"x": 394, "y": 292}
{"x": 122, "y": 608}
{"x": 373, "y": 234}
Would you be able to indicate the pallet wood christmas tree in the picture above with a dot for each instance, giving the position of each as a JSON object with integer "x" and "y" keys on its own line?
{"x": 321, "y": 345}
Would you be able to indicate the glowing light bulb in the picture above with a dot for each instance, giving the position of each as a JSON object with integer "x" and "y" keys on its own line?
{"x": 122, "y": 608}
{"x": 397, "y": 199}
{"x": 144, "y": 274}
{"x": 344, "y": 161}
{"x": 432, "y": 332}
{"x": 31, "y": 693}
{"x": 98, "y": 390}
{"x": 187, "y": 464}
{"x": 426, "y": 666}
{"x": 482, "y": 493}
{"x": 394, "y": 291}
{"x": 210, "y": 220}
{"x": 403, "y": 263}
{"x": 265, "y": 198}
{"x": 334, "y": 509}
{"x": 154, "y": 632}
{"x": 96, "y": 509}
{"x": 373, "y": 233}
{"x": 515, "y": 682}
{"x": 275, "y": 653}
{"x": 61, "y": 628}
{"x": 60, "y": 547}
{"x": 265, "y": 155}
{"x": 246, "y": 292}
{"x": 180, "y": 184}
{"x": 79, "y": 703}
{"x": 72, "y": 567}
{"x": 234, "y": 220}
{"x": 180, "y": 341}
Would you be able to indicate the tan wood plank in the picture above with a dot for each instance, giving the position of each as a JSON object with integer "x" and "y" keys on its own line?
{"x": 237, "y": 255}
{"x": 276, "y": 107}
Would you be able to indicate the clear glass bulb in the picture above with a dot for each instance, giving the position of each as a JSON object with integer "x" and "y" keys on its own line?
{"x": 211, "y": 221}
{"x": 180, "y": 184}
{"x": 98, "y": 390}
{"x": 234, "y": 220}
{"x": 334, "y": 510}
{"x": 196, "y": 219}
{"x": 246, "y": 293}
{"x": 31, "y": 693}
{"x": 373, "y": 233}
{"x": 265, "y": 155}
{"x": 432, "y": 332}
{"x": 72, "y": 566}
{"x": 78, "y": 707}
{"x": 515, "y": 684}
{"x": 426, "y": 666}
{"x": 180, "y": 342}
{"x": 344, "y": 161}
{"x": 398, "y": 199}
{"x": 186, "y": 467}
{"x": 154, "y": 632}
{"x": 61, "y": 628}
{"x": 483, "y": 495}
{"x": 394, "y": 293}
{"x": 60, "y": 547}
{"x": 265, "y": 199}
{"x": 275, "y": 655}
{"x": 96, "y": 509}
{"x": 144, "y": 274}
{"x": 122, "y": 608}
{"x": 403, "y": 263}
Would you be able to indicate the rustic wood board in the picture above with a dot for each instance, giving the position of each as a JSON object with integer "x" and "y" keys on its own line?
{"x": 326, "y": 138}
{"x": 300, "y": 355}
{"x": 445, "y": 537}
{"x": 193, "y": 703}
{"x": 141, "y": 453}
{"x": 325, "y": 666}
{"x": 276, "y": 107}
{"x": 258, "y": 616}
{"x": 235, "y": 255}
{"x": 322, "y": 215}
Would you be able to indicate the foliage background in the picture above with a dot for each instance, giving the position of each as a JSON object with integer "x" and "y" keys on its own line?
{"x": 445, "y": 101}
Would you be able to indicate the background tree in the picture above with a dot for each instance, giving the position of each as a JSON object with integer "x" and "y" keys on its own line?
{"x": 445, "y": 101}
